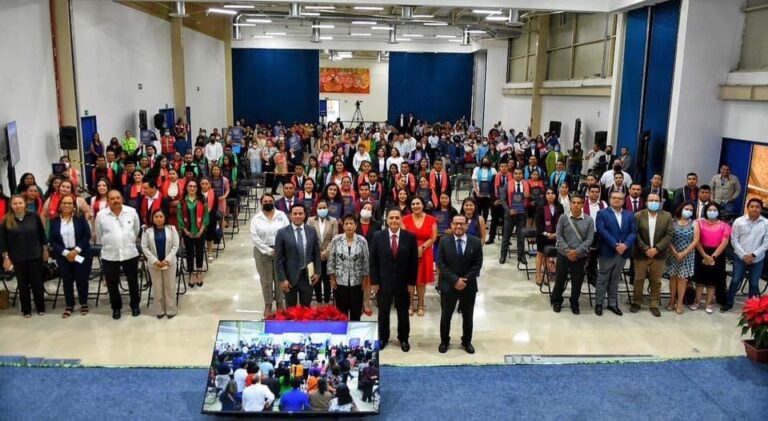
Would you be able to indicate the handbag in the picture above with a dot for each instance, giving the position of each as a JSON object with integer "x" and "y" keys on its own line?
{"x": 50, "y": 271}
{"x": 690, "y": 294}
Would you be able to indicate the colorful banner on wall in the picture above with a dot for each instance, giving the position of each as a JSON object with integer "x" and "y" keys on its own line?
{"x": 345, "y": 81}
{"x": 757, "y": 183}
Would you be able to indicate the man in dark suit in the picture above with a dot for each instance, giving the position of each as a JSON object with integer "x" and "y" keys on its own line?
{"x": 297, "y": 246}
{"x": 285, "y": 203}
{"x": 634, "y": 201}
{"x": 618, "y": 233}
{"x": 459, "y": 258}
{"x": 687, "y": 193}
{"x": 152, "y": 200}
{"x": 656, "y": 187}
{"x": 703, "y": 199}
{"x": 394, "y": 264}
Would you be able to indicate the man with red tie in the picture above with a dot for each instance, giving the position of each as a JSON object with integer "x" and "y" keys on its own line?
{"x": 515, "y": 203}
{"x": 500, "y": 182}
{"x": 634, "y": 201}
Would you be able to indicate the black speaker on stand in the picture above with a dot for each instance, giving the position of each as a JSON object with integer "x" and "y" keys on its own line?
{"x": 555, "y": 126}
{"x": 68, "y": 138}
{"x": 601, "y": 138}
{"x": 576, "y": 131}
{"x": 143, "y": 120}
{"x": 160, "y": 121}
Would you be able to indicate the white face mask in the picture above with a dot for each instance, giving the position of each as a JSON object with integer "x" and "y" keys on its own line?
{"x": 365, "y": 214}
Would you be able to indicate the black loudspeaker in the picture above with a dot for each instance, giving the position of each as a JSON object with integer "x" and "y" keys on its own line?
{"x": 577, "y": 131}
{"x": 159, "y": 121}
{"x": 68, "y": 137}
{"x": 143, "y": 120}
{"x": 555, "y": 126}
{"x": 601, "y": 138}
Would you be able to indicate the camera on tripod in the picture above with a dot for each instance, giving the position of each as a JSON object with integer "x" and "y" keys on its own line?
{"x": 357, "y": 104}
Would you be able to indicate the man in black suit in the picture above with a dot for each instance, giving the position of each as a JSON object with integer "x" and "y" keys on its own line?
{"x": 656, "y": 187}
{"x": 459, "y": 258}
{"x": 687, "y": 193}
{"x": 703, "y": 199}
{"x": 297, "y": 246}
{"x": 285, "y": 203}
{"x": 394, "y": 264}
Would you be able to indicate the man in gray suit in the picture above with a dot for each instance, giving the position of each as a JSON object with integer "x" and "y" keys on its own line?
{"x": 296, "y": 247}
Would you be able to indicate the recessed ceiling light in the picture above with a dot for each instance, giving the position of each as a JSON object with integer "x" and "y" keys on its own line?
{"x": 369, "y": 8}
{"x": 259, "y": 20}
{"x": 326, "y": 38}
{"x": 310, "y": 14}
{"x": 454, "y": 40}
{"x": 360, "y": 34}
{"x": 435, "y": 24}
{"x": 275, "y": 33}
{"x": 363, "y": 22}
{"x": 319, "y": 7}
{"x": 239, "y": 6}
{"x": 412, "y": 35}
{"x": 404, "y": 39}
{"x": 244, "y": 24}
{"x": 323, "y": 26}
{"x": 486, "y": 12}
{"x": 445, "y": 36}
{"x": 382, "y": 28}
{"x": 222, "y": 11}
{"x": 475, "y": 31}
{"x": 423, "y": 16}
{"x": 497, "y": 18}
{"x": 262, "y": 37}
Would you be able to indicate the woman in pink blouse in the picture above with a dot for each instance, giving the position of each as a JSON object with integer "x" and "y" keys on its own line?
{"x": 710, "y": 261}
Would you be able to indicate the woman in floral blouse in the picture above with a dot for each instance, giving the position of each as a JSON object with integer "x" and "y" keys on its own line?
{"x": 348, "y": 268}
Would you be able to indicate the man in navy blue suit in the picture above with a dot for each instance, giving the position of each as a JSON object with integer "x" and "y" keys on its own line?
{"x": 618, "y": 233}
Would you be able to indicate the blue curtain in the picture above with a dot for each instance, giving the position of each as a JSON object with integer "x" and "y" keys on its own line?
{"x": 735, "y": 153}
{"x": 432, "y": 86}
{"x": 271, "y": 85}
{"x": 657, "y": 94}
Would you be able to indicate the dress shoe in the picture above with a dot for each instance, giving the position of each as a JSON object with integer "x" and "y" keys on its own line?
{"x": 468, "y": 347}
{"x": 170, "y": 316}
{"x": 575, "y": 310}
{"x": 634, "y": 308}
{"x": 489, "y": 241}
{"x": 599, "y": 310}
{"x": 382, "y": 345}
{"x": 135, "y": 312}
{"x": 116, "y": 314}
{"x": 405, "y": 346}
{"x": 503, "y": 259}
{"x": 726, "y": 308}
{"x": 655, "y": 311}
{"x": 443, "y": 348}
{"x": 556, "y": 307}
{"x": 615, "y": 310}
{"x": 160, "y": 316}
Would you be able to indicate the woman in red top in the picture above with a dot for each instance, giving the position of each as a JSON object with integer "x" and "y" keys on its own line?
{"x": 173, "y": 189}
{"x": 424, "y": 227}
{"x": 4, "y": 203}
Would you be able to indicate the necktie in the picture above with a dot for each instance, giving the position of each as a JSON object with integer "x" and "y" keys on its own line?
{"x": 394, "y": 245}
{"x": 459, "y": 248}
{"x": 290, "y": 204}
{"x": 300, "y": 243}
{"x": 634, "y": 209}
{"x": 519, "y": 187}
{"x": 438, "y": 185}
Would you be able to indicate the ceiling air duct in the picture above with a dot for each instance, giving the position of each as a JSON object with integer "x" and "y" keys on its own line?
{"x": 294, "y": 11}
{"x": 315, "y": 35}
{"x": 180, "y": 11}
{"x": 407, "y": 12}
{"x": 393, "y": 35}
{"x": 465, "y": 37}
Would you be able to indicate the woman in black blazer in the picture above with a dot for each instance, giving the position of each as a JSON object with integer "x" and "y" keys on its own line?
{"x": 70, "y": 236}
{"x": 367, "y": 226}
{"x": 546, "y": 218}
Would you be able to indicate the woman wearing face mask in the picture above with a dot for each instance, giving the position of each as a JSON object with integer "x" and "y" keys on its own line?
{"x": 367, "y": 227}
{"x": 482, "y": 186}
{"x": 24, "y": 248}
{"x": 546, "y": 219}
{"x": 254, "y": 158}
{"x": 326, "y": 228}
{"x": 680, "y": 260}
{"x": 482, "y": 151}
{"x": 709, "y": 271}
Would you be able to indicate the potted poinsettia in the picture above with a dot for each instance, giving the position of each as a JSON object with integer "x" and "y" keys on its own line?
{"x": 299, "y": 313}
{"x": 754, "y": 319}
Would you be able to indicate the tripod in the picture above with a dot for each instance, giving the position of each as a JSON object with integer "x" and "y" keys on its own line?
{"x": 358, "y": 116}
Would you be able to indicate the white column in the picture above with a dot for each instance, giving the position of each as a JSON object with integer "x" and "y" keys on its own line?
{"x": 708, "y": 45}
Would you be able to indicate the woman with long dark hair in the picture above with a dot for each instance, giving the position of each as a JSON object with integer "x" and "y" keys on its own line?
{"x": 343, "y": 401}
{"x": 424, "y": 227}
{"x": 199, "y": 159}
{"x": 681, "y": 259}
{"x": 320, "y": 397}
{"x": 26, "y": 180}
{"x": 192, "y": 216}
{"x": 70, "y": 235}
{"x": 335, "y": 204}
{"x": 160, "y": 243}
{"x": 212, "y": 203}
{"x": 132, "y": 192}
{"x": 475, "y": 222}
{"x": 709, "y": 272}
{"x": 24, "y": 248}
{"x": 546, "y": 218}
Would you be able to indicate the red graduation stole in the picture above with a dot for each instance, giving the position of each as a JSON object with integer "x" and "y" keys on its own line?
{"x": 155, "y": 206}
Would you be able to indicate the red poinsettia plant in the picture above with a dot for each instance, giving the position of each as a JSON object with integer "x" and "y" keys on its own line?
{"x": 300, "y": 313}
{"x": 754, "y": 319}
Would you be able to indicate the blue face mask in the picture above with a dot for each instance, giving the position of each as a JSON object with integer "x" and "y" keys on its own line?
{"x": 687, "y": 213}
{"x": 712, "y": 214}
{"x": 323, "y": 213}
{"x": 654, "y": 206}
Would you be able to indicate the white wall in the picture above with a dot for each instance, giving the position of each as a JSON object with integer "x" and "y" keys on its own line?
{"x": 479, "y": 82}
{"x": 594, "y": 113}
{"x": 205, "y": 80}
{"x": 118, "y": 48}
{"x": 745, "y": 120}
{"x": 374, "y": 106}
{"x": 708, "y": 45}
{"x": 495, "y": 78}
{"x": 27, "y": 86}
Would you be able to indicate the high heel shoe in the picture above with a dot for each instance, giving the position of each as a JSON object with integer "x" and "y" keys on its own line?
{"x": 410, "y": 311}
{"x": 421, "y": 311}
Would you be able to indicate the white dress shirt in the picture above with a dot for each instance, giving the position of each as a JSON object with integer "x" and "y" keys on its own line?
{"x": 256, "y": 397}
{"x": 213, "y": 151}
{"x": 264, "y": 230}
{"x": 594, "y": 208}
{"x": 240, "y": 375}
{"x": 68, "y": 235}
{"x": 750, "y": 237}
{"x": 607, "y": 178}
{"x": 117, "y": 234}
{"x": 463, "y": 239}
{"x": 617, "y": 214}
{"x": 651, "y": 227}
